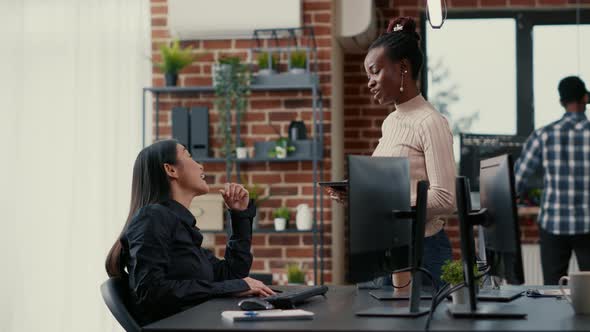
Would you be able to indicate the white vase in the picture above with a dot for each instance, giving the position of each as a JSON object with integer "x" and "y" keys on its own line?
{"x": 281, "y": 152}
{"x": 303, "y": 219}
{"x": 460, "y": 296}
{"x": 242, "y": 152}
{"x": 280, "y": 224}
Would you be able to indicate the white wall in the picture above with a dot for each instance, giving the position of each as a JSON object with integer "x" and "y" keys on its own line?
{"x": 71, "y": 74}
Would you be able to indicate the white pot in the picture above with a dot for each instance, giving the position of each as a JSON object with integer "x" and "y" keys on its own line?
{"x": 280, "y": 224}
{"x": 242, "y": 152}
{"x": 303, "y": 220}
{"x": 460, "y": 296}
{"x": 281, "y": 152}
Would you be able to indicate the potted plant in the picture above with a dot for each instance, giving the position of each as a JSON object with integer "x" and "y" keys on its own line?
{"x": 174, "y": 59}
{"x": 295, "y": 275}
{"x": 452, "y": 273}
{"x": 266, "y": 68}
{"x": 241, "y": 151}
{"x": 281, "y": 148}
{"x": 281, "y": 216}
{"x": 232, "y": 87}
{"x": 298, "y": 61}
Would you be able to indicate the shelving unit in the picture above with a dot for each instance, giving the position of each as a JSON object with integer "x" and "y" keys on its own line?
{"x": 316, "y": 156}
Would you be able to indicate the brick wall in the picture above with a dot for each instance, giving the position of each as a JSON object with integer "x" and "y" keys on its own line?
{"x": 289, "y": 183}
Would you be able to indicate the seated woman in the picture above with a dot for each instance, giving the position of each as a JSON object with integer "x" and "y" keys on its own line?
{"x": 160, "y": 245}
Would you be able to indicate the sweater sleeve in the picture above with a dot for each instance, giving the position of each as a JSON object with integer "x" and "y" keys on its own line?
{"x": 437, "y": 142}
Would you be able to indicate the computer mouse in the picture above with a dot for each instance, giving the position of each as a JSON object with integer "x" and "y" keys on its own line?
{"x": 255, "y": 303}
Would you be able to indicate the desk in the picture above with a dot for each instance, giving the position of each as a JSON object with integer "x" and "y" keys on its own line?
{"x": 336, "y": 313}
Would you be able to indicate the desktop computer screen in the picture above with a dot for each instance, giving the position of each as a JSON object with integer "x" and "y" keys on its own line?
{"x": 378, "y": 241}
{"x": 502, "y": 236}
{"x": 476, "y": 147}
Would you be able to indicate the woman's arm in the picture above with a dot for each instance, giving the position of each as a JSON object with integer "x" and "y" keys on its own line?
{"x": 149, "y": 239}
{"x": 440, "y": 165}
{"x": 238, "y": 259}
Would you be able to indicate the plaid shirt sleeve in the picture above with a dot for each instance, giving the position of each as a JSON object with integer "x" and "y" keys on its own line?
{"x": 529, "y": 161}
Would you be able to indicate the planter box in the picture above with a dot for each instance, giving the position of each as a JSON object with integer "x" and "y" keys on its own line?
{"x": 284, "y": 79}
{"x": 303, "y": 149}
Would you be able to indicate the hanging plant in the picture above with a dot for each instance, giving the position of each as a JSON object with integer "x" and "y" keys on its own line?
{"x": 232, "y": 87}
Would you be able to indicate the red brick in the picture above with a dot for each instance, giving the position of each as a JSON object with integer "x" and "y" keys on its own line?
{"x": 284, "y": 240}
{"x": 259, "y": 239}
{"x": 271, "y": 203}
{"x": 266, "y": 178}
{"x": 244, "y": 43}
{"x": 196, "y": 81}
{"x": 159, "y": 21}
{"x": 160, "y": 33}
{"x": 321, "y": 17}
{"x": 242, "y": 55}
{"x": 292, "y": 203}
{"x": 267, "y": 252}
{"x": 220, "y": 239}
{"x": 159, "y": 10}
{"x": 289, "y": 166}
{"x": 258, "y": 265}
{"x": 552, "y": 2}
{"x": 262, "y": 130}
{"x": 297, "y": 103}
{"x": 298, "y": 178}
{"x": 316, "y": 5}
{"x": 216, "y": 44}
{"x": 265, "y": 103}
{"x": 307, "y": 19}
{"x": 283, "y": 191}
{"x": 192, "y": 69}
{"x": 254, "y": 117}
{"x": 493, "y": 3}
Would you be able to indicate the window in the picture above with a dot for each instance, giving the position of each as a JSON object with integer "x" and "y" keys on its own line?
{"x": 496, "y": 72}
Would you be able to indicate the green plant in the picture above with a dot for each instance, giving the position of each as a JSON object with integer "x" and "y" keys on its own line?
{"x": 263, "y": 59}
{"x": 295, "y": 274}
{"x": 452, "y": 272}
{"x": 282, "y": 147}
{"x": 255, "y": 192}
{"x": 174, "y": 58}
{"x": 298, "y": 59}
{"x": 232, "y": 87}
{"x": 281, "y": 212}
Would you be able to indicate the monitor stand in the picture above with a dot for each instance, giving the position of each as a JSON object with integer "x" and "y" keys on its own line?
{"x": 414, "y": 309}
{"x": 486, "y": 311}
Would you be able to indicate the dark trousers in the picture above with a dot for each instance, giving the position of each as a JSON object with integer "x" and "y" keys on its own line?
{"x": 556, "y": 251}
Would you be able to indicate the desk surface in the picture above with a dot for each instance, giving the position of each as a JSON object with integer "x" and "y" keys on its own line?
{"x": 337, "y": 313}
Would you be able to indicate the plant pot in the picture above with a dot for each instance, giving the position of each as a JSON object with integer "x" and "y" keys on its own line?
{"x": 297, "y": 71}
{"x": 304, "y": 218}
{"x": 171, "y": 79}
{"x": 280, "y": 224}
{"x": 460, "y": 296}
{"x": 242, "y": 152}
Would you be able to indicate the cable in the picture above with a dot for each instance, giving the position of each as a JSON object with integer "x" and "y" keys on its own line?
{"x": 438, "y": 300}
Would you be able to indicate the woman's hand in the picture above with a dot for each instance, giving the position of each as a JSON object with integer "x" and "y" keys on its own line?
{"x": 257, "y": 288}
{"x": 337, "y": 195}
{"x": 236, "y": 197}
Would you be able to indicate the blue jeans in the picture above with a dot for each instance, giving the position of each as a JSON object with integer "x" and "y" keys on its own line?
{"x": 437, "y": 250}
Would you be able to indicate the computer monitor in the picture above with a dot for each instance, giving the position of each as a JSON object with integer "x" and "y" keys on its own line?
{"x": 376, "y": 187}
{"x": 384, "y": 233}
{"x": 476, "y": 147}
{"x": 502, "y": 237}
{"x": 467, "y": 220}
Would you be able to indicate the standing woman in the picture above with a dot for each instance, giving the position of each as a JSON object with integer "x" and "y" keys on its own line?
{"x": 160, "y": 245}
{"x": 415, "y": 130}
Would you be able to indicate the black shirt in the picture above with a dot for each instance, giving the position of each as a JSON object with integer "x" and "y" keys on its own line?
{"x": 170, "y": 271}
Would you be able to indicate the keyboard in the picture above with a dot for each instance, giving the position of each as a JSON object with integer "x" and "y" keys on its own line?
{"x": 289, "y": 298}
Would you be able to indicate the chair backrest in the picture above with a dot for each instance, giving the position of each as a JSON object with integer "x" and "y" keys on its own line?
{"x": 115, "y": 292}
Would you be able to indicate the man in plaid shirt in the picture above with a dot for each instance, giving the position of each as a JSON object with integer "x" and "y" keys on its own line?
{"x": 562, "y": 148}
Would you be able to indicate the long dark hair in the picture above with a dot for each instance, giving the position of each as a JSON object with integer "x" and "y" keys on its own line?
{"x": 401, "y": 42}
{"x": 150, "y": 184}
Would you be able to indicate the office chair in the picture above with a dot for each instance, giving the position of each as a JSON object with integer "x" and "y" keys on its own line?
{"x": 115, "y": 292}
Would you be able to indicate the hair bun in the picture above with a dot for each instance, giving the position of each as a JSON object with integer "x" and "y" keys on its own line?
{"x": 405, "y": 25}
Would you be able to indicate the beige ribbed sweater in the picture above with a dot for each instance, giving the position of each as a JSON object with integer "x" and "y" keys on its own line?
{"x": 418, "y": 131}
